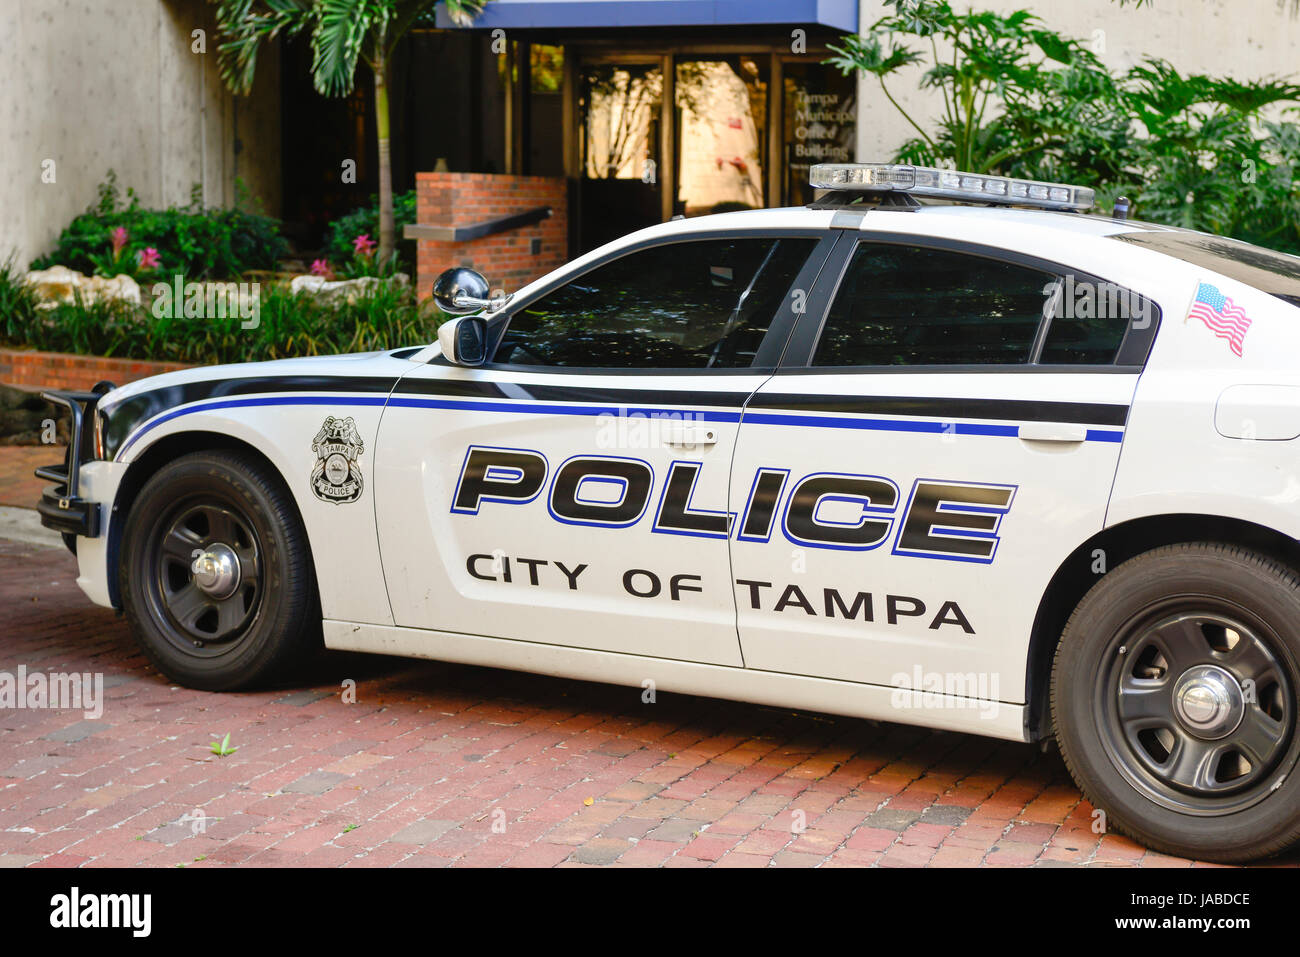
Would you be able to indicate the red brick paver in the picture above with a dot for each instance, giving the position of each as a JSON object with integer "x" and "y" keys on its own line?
{"x": 19, "y": 486}
{"x": 441, "y": 765}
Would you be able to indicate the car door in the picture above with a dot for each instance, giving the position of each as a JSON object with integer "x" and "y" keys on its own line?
{"x": 936, "y": 445}
{"x": 573, "y": 490}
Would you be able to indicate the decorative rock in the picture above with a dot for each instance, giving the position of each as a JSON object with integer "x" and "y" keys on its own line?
{"x": 59, "y": 284}
{"x": 23, "y": 416}
{"x": 343, "y": 291}
{"x": 120, "y": 286}
{"x": 306, "y": 283}
{"x": 55, "y": 285}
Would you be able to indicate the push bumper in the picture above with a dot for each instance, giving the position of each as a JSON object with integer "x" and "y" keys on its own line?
{"x": 61, "y": 507}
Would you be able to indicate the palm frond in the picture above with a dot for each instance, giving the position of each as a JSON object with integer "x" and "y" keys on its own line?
{"x": 342, "y": 30}
{"x": 244, "y": 25}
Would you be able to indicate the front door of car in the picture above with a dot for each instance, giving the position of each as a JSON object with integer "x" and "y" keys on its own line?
{"x": 573, "y": 490}
{"x": 935, "y": 448}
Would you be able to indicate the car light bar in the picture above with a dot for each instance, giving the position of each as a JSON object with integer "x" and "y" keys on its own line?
{"x": 948, "y": 184}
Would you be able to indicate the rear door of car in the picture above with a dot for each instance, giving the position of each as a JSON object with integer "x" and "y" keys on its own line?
{"x": 935, "y": 443}
{"x": 573, "y": 491}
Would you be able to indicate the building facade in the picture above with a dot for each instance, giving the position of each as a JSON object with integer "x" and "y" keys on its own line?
{"x": 645, "y": 109}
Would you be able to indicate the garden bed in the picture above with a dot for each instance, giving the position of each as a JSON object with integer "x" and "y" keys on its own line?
{"x": 383, "y": 314}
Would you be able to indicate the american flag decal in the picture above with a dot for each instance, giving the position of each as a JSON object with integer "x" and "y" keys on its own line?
{"x": 1224, "y": 318}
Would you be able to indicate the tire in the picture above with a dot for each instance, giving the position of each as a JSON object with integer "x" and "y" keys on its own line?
{"x": 242, "y": 620}
{"x": 1174, "y": 701}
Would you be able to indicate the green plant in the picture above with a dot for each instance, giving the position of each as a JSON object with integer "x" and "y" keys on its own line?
{"x": 222, "y": 748}
{"x": 1008, "y": 86}
{"x": 364, "y": 221}
{"x": 289, "y": 325}
{"x": 201, "y": 243}
{"x": 17, "y": 300}
{"x": 342, "y": 33}
{"x": 1021, "y": 100}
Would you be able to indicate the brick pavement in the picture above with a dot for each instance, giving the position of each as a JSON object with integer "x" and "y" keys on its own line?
{"x": 437, "y": 765}
{"x": 18, "y": 486}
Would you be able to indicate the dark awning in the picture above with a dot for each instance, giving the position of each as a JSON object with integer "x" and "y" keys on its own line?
{"x": 526, "y": 14}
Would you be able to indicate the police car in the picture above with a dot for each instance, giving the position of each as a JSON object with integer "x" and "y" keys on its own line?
{"x": 939, "y": 448}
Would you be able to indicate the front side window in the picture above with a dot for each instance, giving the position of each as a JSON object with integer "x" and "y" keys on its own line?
{"x": 913, "y": 305}
{"x": 703, "y": 304}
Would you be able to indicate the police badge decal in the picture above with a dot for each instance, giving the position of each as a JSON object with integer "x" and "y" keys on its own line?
{"x": 336, "y": 477}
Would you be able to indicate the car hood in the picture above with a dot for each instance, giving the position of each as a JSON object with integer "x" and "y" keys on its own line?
{"x": 124, "y": 409}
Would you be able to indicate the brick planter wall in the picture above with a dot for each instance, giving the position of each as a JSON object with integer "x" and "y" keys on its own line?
{"x": 59, "y": 370}
{"x": 505, "y": 259}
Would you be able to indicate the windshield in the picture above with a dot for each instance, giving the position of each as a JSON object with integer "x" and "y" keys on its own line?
{"x": 1277, "y": 274}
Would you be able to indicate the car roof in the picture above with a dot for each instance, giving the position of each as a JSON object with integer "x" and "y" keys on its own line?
{"x": 820, "y": 217}
{"x": 1047, "y": 232}
{"x": 887, "y": 219}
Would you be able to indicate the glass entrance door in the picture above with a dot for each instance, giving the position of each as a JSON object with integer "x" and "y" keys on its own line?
{"x": 618, "y": 187}
{"x": 721, "y": 134}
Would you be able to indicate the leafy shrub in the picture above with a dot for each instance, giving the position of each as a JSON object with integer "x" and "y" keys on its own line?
{"x": 364, "y": 221}
{"x": 200, "y": 243}
{"x": 1021, "y": 100}
{"x": 17, "y": 301}
{"x": 288, "y": 326}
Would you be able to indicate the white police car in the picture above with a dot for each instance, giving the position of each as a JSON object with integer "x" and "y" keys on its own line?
{"x": 1019, "y": 472}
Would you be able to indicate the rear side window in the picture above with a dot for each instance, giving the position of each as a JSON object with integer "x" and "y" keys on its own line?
{"x": 704, "y": 304}
{"x": 1089, "y": 322}
{"x": 913, "y": 305}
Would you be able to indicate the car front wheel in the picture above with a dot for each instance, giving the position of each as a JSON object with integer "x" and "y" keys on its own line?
{"x": 215, "y": 574}
{"x": 1174, "y": 701}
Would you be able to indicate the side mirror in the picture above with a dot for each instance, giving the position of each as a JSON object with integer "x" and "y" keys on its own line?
{"x": 464, "y": 340}
{"x": 460, "y": 290}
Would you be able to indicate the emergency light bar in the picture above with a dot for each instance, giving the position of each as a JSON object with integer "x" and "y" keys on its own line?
{"x": 948, "y": 184}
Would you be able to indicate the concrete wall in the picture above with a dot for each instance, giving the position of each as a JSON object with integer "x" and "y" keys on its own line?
{"x": 1244, "y": 39}
{"x": 100, "y": 84}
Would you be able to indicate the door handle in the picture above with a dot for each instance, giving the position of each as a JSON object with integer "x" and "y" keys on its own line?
{"x": 1053, "y": 432}
{"x": 691, "y": 435}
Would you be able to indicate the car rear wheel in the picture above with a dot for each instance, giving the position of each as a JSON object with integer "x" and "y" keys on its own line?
{"x": 1174, "y": 701}
{"x": 216, "y": 576}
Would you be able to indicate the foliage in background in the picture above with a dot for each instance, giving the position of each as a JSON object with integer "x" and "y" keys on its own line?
{"x": 1019, "y": 99}
{"x": 289, "y": 326}
{"x": 200, "y": 243}
{"x": 364, "y": 221}
{"x": 343, "y": 33}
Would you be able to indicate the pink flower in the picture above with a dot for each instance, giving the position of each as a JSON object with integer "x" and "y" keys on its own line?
{"x": 118, "y": 239}
{"x": 320, "y": 267}
{"x": 363, "y": 245}
{"x": 148, "y": 258}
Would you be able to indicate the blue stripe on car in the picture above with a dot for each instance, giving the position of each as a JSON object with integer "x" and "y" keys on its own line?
{"x": 533, "y": 408}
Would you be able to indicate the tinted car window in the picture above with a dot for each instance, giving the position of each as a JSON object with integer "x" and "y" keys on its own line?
{"x": 912, "y": 305}
{"x": 690, "y": 305}
{"x": 1089, "y": 320}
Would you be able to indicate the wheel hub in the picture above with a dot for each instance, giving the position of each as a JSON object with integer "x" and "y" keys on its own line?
{"x": 1208, "y": 702}
{"x": 216, "y": 571}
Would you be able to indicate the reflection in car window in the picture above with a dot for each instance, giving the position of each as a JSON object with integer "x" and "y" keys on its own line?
{"x": 912, "y": 305}
{"x": 1089, "y": 321}
{"x": 688, "y": 305}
